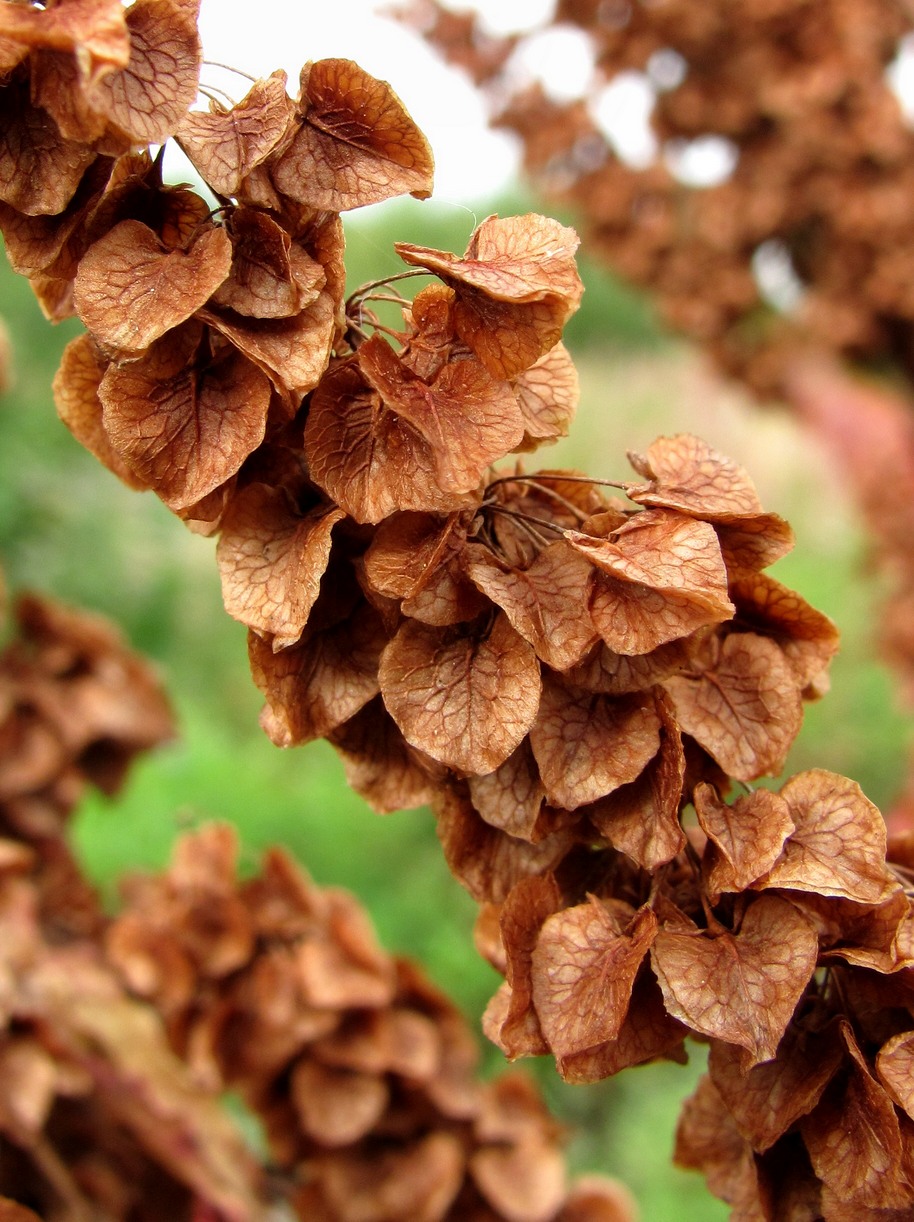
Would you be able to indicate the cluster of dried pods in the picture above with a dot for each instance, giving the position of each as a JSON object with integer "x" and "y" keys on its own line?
{"x": 120, "y": 1037}
{"x": 818, "y": 195}
{"x": 821, "y": 161}
{"x": 563, "y": 674}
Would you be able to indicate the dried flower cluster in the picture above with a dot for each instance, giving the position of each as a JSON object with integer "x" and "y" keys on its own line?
{"x": 76, "y": 706}
{"x": 362, "y": 1072}
{"x": 781, "y": 936}
{"x": 798, "y": 98}
{"x": 98, "y": 1118}
{"x": 564, "y": 674}
{"x": 823, "y": 163}
{"x": 110, "y": 1106}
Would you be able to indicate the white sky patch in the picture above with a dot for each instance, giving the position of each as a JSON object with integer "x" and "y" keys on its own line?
{"x": 622, "y": 111}
{"x": 562, "y": 59}
{"x": 706, "y": 161}
{"x": 900, "y": 76}
{"x": 512, "y": 16}
{"x": 776, "y": 276}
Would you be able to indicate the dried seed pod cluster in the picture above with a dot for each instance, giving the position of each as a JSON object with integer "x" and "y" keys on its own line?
{"x": 111, "y": 1107}
{"x": 76, "y": 706}
{"x": 810, "y": 209}
{"x": 538, "y": 649}
{"x": 98, "y": 1117}
{"x": 821, "y": 155}
{"x": 364, "y": 1075}
{"x": 781, "y": 936}
{"x": 563, "y": 674}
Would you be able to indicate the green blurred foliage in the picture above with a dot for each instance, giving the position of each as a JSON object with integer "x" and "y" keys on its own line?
{"x": 68, "y": 528}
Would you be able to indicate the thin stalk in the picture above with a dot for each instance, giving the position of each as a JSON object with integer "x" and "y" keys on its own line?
{"x": 364, "y": 289}
{"x": 213, "y": 63}
{"x": 560, "y": 478}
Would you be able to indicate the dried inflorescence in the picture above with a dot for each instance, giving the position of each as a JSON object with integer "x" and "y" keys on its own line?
{"x": 363, "y": 1074}
{"x": 520, "y": 648}
{"x": 795, "y": 261}
{"x": 110, "y": 1107}
{"x": 821, "y": 163}
{"x": 563, "y": 673}
{"x": 98, "y": 1117}
{"x": 781, "y": 936}
{"x": 824, "y": 1128}
{"x": 76, "y": 707}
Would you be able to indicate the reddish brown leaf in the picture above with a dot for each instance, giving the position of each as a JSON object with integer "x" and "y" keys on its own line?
{"x": 616, "y": 674}
{"x": 293, "y": 352}
{"x": 642, "y": 817}
{"x": 685, "y": 473}
{"x": 584, "y": 967}
{"x": 418, "y": 558}
{"x": 318, "y": 684}
{"x": 745, "y": 839}
{"x": 871, "y": 935}
{"x": 635, "y": 619}
{"x": 708, "y": 1141}
{"x": 337, "y": 1107}
{"x": 356, "y": 144}
{"x": 895, "y": 1069}
{"x": 754, "y": 542}
{"x": 54, "y": 244}
{"x": 517, "y": 1030}
{"x": 130, "y": 289}
{"x": 380, "y": 765}
{"x": 745, "y": 709}
{"x": 665, "y": 551}
{"x": 182, "y": 421}
{"x": 345, "y": 967}
{"x": 76, "y": 386}
{"x": 661, "y": 577}
{"x": 854, "y": 1140}
{"x": 587, "y": 745}
{"x": 515, "y": 258}
{"x": 465, "y": 695}
{"x": 148, "y": 99}
{"x": 523, "y": 1180}
{"x": 271, "y": 276}
{"x": 740, "y": 988}
{"x": 468, "y": 418}
{"x": 546, "y": 603}
{"x": 364, "y": 457}
{"x": 39, "y": 169}
{"x": 548, "y": 394}
{"x": 647, "y": 1034}
{"x": 516, "y": 287}
{"x": 595, "y": 1199}
{"x": 418, "y": 1180}
{"x": 271, "y": 560}
{"x": 511, "y": 797}
{"x": 485, "y": 860}
{"x": 808, "y": 638}
{"x": 225, "y": 146}
{"x": 94, "y": 28}
{"x": 396, "y": 1040}
{"x": 767, "y": 1099}
{"x": 838, "y": 844}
